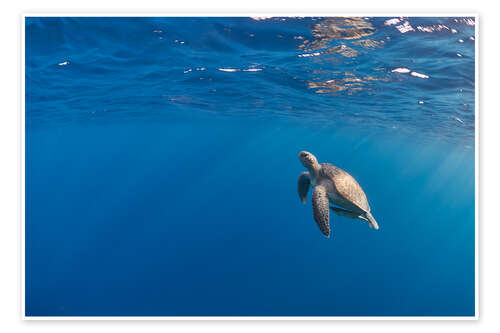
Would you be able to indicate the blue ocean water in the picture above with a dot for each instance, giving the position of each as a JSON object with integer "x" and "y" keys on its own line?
{"x": 161, "y": 165}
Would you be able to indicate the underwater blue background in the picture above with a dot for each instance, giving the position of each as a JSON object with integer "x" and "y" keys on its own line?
{"x": 161, "y": 166}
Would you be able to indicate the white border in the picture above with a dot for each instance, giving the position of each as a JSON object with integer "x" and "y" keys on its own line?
{"x": 238, "y": 14}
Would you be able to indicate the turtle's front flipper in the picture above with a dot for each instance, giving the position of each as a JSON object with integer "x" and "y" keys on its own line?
{"x": 303, "y": 185}
{"x": 348, "y": 213}
{"x": 321, "y": 212}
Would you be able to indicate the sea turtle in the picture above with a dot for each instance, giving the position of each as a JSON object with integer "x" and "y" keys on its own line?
{"x": 332, "y": 185}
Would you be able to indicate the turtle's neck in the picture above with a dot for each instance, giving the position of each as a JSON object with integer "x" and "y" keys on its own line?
{"x": 314, "y": 169}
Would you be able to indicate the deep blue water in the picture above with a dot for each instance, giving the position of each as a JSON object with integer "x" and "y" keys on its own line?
{"x": 161, "y": 166}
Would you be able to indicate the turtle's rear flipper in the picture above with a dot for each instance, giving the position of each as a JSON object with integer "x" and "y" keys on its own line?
{"x": 348, "y": 213}
{"x": 371, "y": 221}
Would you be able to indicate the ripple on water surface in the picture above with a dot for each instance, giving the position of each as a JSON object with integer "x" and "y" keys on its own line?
{"x": 352, "y": 69}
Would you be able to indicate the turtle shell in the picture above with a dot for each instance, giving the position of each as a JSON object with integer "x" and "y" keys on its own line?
{"x": 345, "y": 186}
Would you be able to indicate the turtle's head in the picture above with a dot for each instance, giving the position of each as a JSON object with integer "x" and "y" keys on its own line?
{"x": 308, "y": 160}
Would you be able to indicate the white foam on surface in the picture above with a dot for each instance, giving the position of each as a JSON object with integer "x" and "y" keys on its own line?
{"x": 228, "y": 69}
{"x": 260, "y": 18}
{"x": 315, "y": 54}
{"x": 420, "y": 75}
{"x": 392, "y": 21}
{"x": 401, "y": 70}
{"x": 405, "y": 27}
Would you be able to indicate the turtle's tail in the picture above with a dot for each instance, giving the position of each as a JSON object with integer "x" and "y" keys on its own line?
{"x": 371, "y": 220}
